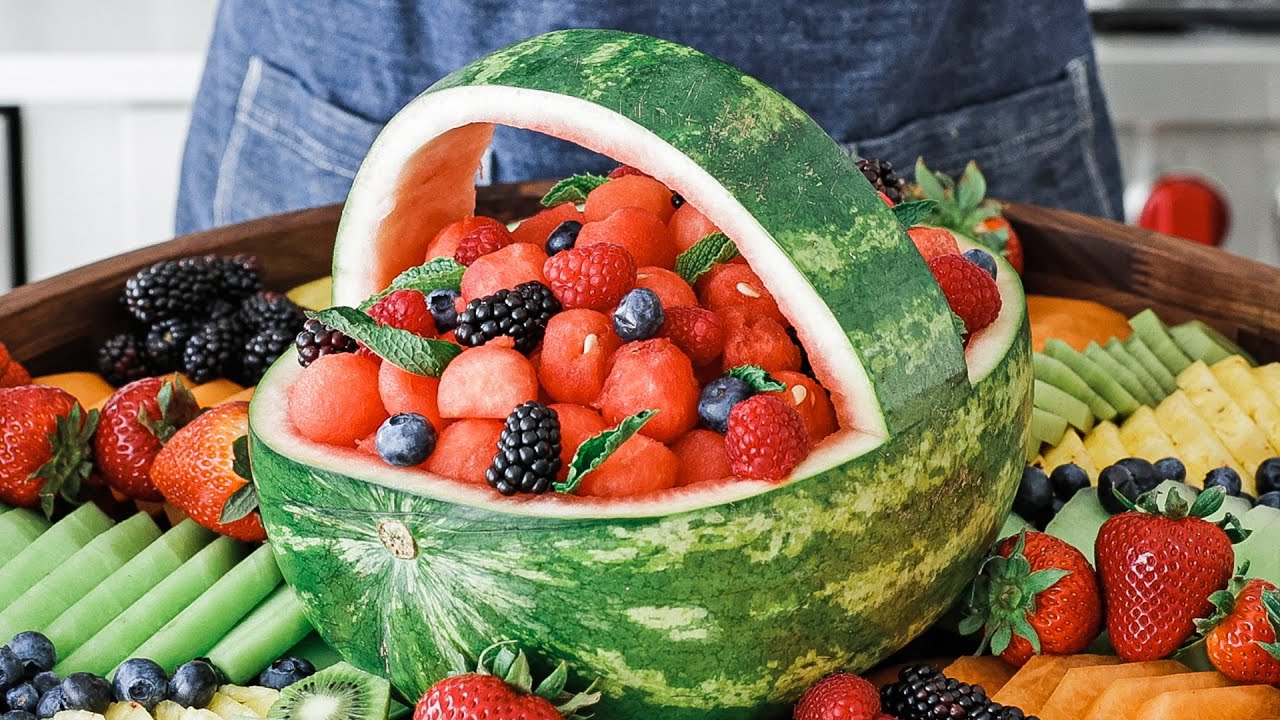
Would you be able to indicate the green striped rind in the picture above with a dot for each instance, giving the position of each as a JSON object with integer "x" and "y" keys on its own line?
{"x": 724, "y": 612}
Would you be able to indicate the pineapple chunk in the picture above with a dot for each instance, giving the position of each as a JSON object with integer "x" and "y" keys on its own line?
{"x": 77, "y": 715}
{"x": 168, "y": 710}
{"x": 1080, "y": 687}
{"x": 1228, "y": 420}
{"x": 1269, "y": 377}
{"x": 988, "y": 671}
{"x": 1198, "y": 447}
{"x": 1143, "y": 437}
{"x": 1123, "y": 697}
{"x": 1237, "y": 378}
{"x": 127, "y": 711}
{"x": 226, "y": 708}
{"x": 1070, "y": 449}
{"x": 1104, "y": 444}
{"x": 258, "y": 699}
{"x": 199, "y": 714}
{"x": 1245, "y": 702}
{"x": 1031, "y": 686}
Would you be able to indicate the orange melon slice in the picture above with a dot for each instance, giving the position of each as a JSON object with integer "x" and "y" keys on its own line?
{"x": 1123, "y": 697}
{"x": 1246, "y": 702}
{"x": 1081, "y": 687}
{"x": 1031, "y": 686}
{"x": 988, "y": 671}
{"x": 1075, "y": 322}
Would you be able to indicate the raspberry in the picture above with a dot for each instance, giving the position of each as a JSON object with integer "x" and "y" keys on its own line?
{"x": 971, "y": 292}
{"x": 933, "y": 242}
{"x": 404, "y": 310}
{"x": 766, "y": 438}
{"x": 482, "y": 241}
{"x": 593, "y": 277}
{"x": 844, "y": 696}
{"x": 696, "y": 331}
{"x": 625, "y": 170}
{"x": 445, "y": 243}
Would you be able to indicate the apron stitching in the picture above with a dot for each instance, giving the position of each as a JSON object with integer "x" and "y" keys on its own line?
{"x": 235, "y": 144}
{"x": 1078, "y": 72}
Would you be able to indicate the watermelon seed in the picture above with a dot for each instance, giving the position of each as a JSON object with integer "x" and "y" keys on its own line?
{"x": 395, "y": 536}
{"x": 799, "y": 393}
{"x": 747, "y": 290}
{"x": 589, "y": 343}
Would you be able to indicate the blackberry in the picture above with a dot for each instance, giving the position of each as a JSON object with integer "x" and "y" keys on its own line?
{"x": 522, "y": 314}
{"x": 165, "y": 342}
{"x": 263, "y": 310}
{"x": 171, "y": 289}
{"x": 212, "y": 351}
{"x": 881, "y": 175}
{"x": 528, "y": 451}
{"x": 123, "y": 358}
{"x": 263, "y": 349}
{"x": 318, "y": 339}
{"x": 924, "y": 693}
{"x": 238, "y": 277}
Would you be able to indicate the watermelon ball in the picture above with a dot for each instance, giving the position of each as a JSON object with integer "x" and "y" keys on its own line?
{"x": 731, "y": 285}
{"x": 670, "y": 287}
{"x": 405, "y": 392}
{"x": 1067, "y": 480}
{"x": 688, "y": 226}
{"x": 193, "y": 684}
{"x": 563, "y": 237}
{"x": 443, "y": 304}
{"x": 1171, "y": 468}
{"x": 465, "y": 449}
{"x": 538, "y": 228}
{"x": 718, "y": 398}
{"x": 486, "y": 382}
{"x": 576, "y": 351}
{"x": 335, "y": 399}
{"x": 141, "y": 681}
{"x": 639, "y": 315}
{"x": 503, "y": 269}
{"x": 577, "y": 424}
{"x": 982, "y": 259}
{"x": 286, "y": 671}
{"x": 702, "y": 457}
{"x": 445, "y": 243}
{"x": 1033, "y": 501}
{"x": 651, "y": 375}
{"x": 810, "y": 401}
{"x": 638, "y": 467}
{"x": 1224, "y": 477}
{"x": 639, "y": 231}
{"x": 86, "y": 691}
{"x": 34, "y": 651}
{"x": 405, "y": 439}
{"x": 754, "y": 339}
{"x": 629, "y": 191}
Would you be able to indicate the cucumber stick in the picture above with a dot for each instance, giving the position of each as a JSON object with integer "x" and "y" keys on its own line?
{"x": 19, "y": 528}
{"x": 114, "y": 595}
{"x": 115, "y": 642}
{"x": 265, "y": 634}
{"x": 50, "y": 550}
{"x": 212, "y": 615}
{"x": 68, "y": 582}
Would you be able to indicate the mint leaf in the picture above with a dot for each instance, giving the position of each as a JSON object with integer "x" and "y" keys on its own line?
{"x": 597, "y": 448}
{"x": 757, "y": 378}
{"x": 245, "y": 500}
{"x": 972, "y": 187}
{"x": 572, "y": 189}
{"x": 910, "y": 214}
{"x": 433, "y": 275}
{"x": 929, "y": 185}
{"x": 420, "y": 356}
{"x": 707, "y": 252}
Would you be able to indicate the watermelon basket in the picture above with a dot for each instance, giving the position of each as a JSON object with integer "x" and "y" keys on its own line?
{"x": 724, "y": 602}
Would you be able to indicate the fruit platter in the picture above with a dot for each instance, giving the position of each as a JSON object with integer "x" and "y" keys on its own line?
{"x": 746, "y": 429}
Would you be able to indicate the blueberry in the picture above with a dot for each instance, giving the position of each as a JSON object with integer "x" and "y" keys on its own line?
{"x": 639, "y": 316}
{"x": 1246, "y": 496}
{"x": 51, "y": 703}
{"x": 1057, "y": 506}
{"x": 193, "y": 684}
{"x": 1068, "y": 480}
{"x": 1144, "y": 473}
{"x": 677, "y": 200}
{"x": 17, "y": 715}
{"x": 1268, "y": 475}
{"x": 46, "y": 681}
{"x": 11, "y": 671}
{"x": 1224, "y": 477}
{"x": 441, "y": 304}
{"x": 23, "y": 697}
{"x": 1271, "y": 499}
{"x": 1034, "y": 499}
{"x": 86, "y": 691}
{"x": 405, "y": 439}
{"x": 34, "y": 650}
{"x": 982, "y": 259}
{"x": 142, "y": 681}
{"x": 564, "y": 237}
{"x": 718, "y": 398}
{"x": 1171, "y": 468}
{"x": 285, "y": 671}
{"x": 1117, "y": 477}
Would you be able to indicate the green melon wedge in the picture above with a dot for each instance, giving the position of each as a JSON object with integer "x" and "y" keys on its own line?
{"x": 1078, "y": 521}
{"x": 77, "y": 575}
{"x": 1098, "y": 378}
{"x": 266, "y": 633}
{"x": 50, "y": 550}
{"x": 1156, "y": 369}
{"x": 203, "y": 623}
{"x": 1064, "y": 405}
{"x": 1059, "y": 375}
{"x": 1047, "y": 427}
{"x": 1120, "y": 354}
{"x": 115, "y": 642}
{"x": 1148, "y": 326}
{"x": 1119, "y": 373}
{"x": 104, "y": 603}
{"x": 1201, "y": 342}
{"x": 19, "y": 528}
{"x": 1259, "y": 549}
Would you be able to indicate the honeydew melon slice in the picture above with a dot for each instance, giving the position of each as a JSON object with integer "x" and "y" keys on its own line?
{"x": 1156, "y": 369}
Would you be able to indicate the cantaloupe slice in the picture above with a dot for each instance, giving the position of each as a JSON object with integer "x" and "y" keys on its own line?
{"x": 1237, "y": 378}
{"x": 1081, "y": 686}
{"x": 1197, "y": 445}
{"x": 87, "y": 387}
{"x": 1104, "y": 444}
{"x": 1143, "y": 437}
{"x": 987, "y": 671}
{"x": 1122, "y": 698}
{"x": 1078, "y": 322}
{"x": 215, "y": 391}
{"x": 1070, "y": 450}
{"x": 1229, "y": 421}
{"x": 1032, "y": 685}
{"x": 1245, "y": 702}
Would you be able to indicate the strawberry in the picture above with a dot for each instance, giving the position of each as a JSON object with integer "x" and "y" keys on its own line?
{"x": 594, "y": 277}
{"x": 482, "y": 241}
{"x": 839, "y": 697}
{"x": 766, "y": 438}
{"x": 403, "y": 310}
{"x": 963, "y": 207}
{"x": 1035, "y": 595}
{"x": 625, "y": 170}
{"x": 135, "y": 424}
{"x": 203, "y": 471}
{"x": 1240, "y": 637}
{"x": 1158, "y": 567}
{"x": 12, "y": 373}
{"x": 996, "y": 233}
{"x": 933, "y": 242}
{"x": 503, "y": 692}
{"x": 885, "y": 198}
{"x": 44, "y": 441}
{"x": 970, "y": 291}
{"x": 696, "y": 331}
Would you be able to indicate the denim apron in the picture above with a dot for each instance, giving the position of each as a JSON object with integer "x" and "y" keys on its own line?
{"x": 294, "y": 91}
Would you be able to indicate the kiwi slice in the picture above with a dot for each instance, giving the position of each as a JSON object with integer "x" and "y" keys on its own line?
{"x": 339, "y": 692}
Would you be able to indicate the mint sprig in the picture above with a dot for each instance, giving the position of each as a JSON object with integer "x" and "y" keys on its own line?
{"x": 597, "y": 448}
{"x": 433, "y": 275}
{"x": 572, "y": 189}
{"x": 418, "y": 355}
{"x": 703, "y": 255}
{"x": 913, "y": 212}
{"x": 757, "y": 377}
{"x": 245, "y": 500}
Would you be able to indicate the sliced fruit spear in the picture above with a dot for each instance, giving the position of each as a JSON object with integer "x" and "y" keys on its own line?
{"x": 19, "y": 527}
{"x": 1058, "y": 374}
{"x": 1070, "y": 449}
{"x": 1104, "y": 445}
{"x": 1120, "y": 373}
{"x": 1100, "y": 380}
{"x": 51, "y": 549}
{"x": 1121, "y": 354}
{"x": 1123, "y": 697}
{"x": 1198, "y": 446}
{"x": 1144, "y": 438}
{"x": 1046, "y": 426}
{"x": 266, "y": 633}
{"x": 1148, "y": 326}
{"x": 1063, "y": 404}
{"x": 1138, "y": 348}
